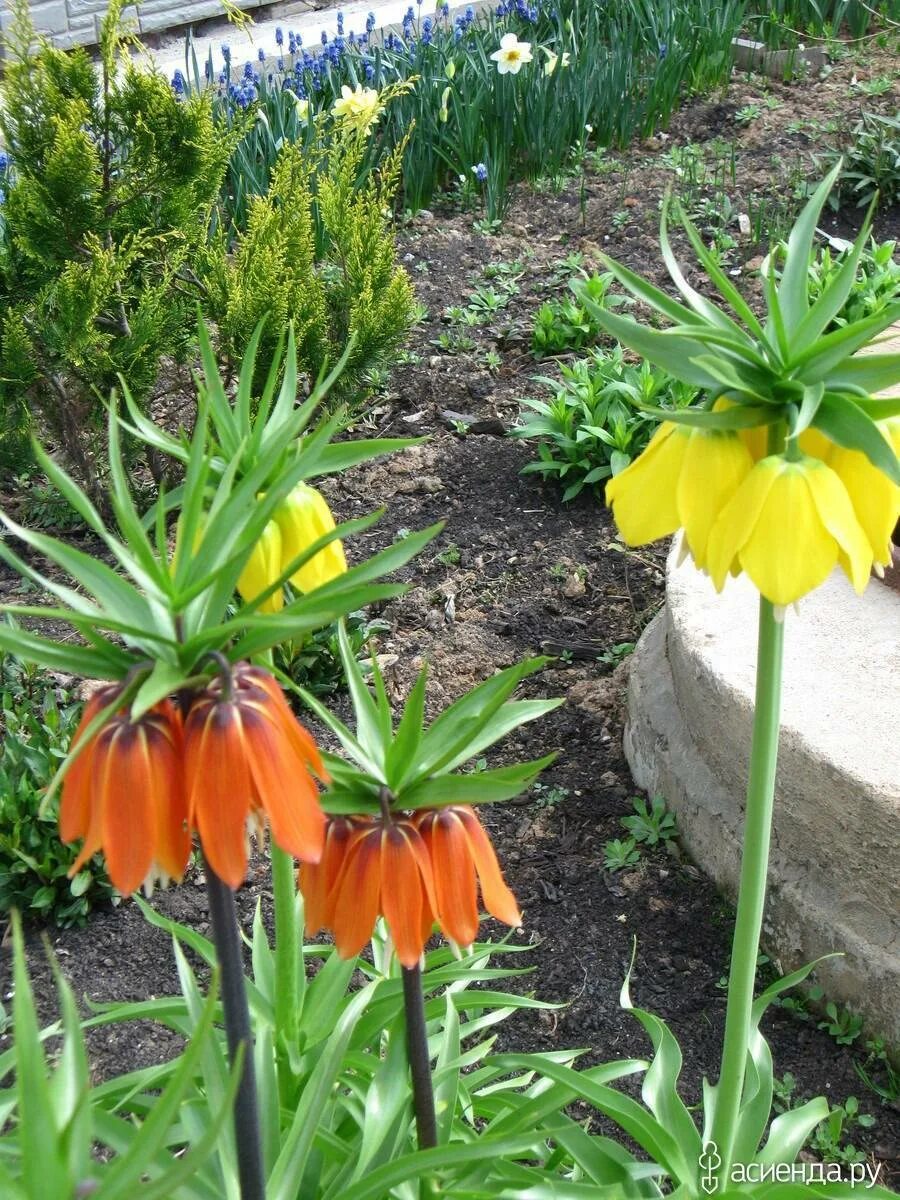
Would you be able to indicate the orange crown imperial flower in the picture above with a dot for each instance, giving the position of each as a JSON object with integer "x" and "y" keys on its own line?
{"x": 247, "y": 758}
{"x": 461, "y": 852}
{"x": 413, "y": 871}
{"x": 124, "y": 794}
{"x": 370, "y": 868}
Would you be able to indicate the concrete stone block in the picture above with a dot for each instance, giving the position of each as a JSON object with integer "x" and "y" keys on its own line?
{"x": 836, "y": 828}
{"x": 162, "y": 14}
{"x": 86, "y": 36}
{"x": 83, "y": 22}
{"x": 82, "y": 8}
{"x": 51, "y": 16}
{"x": 777, "y": 64}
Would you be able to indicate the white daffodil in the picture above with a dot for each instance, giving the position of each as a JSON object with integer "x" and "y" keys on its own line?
{"x": 512, "y": 55}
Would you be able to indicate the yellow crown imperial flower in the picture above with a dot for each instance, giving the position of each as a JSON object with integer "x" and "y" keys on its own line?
{"x": 788, "y": 525}
{"x": 303, "y": 519}
{"x": 875, "y": 497}
{"x": 683, "y": 479}
{"x": 262, "y": 569}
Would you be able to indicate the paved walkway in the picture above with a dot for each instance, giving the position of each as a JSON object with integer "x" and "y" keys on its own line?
{"x": 310, "y": 25}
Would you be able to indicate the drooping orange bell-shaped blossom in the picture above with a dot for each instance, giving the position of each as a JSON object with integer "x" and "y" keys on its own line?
{"x": 371, "y": 867}
{"x": 462, "y": 857}
{"x": 124, "y": 794}
{"x": 248, "y": 759}
{"x": 413, "y": 871}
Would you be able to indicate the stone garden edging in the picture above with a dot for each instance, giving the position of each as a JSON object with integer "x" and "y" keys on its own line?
{"x": 833, "y": 881}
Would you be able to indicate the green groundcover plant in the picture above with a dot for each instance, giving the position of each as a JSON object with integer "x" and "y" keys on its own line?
{"x": 37, "y": 727}
{"x": 596, "y": 422}
{"x": 375, "y": 1075}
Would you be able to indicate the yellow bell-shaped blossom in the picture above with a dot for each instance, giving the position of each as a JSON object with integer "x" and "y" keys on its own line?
{"x": 683, "y": 479}
{"x": 261, "y": 570}
{"x": 303, "y": 519}
{"x": 875, "y": 497}
{"x": 788, "y": 525}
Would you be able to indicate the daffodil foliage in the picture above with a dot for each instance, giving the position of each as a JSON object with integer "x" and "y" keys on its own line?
{"x": 789, "y": 467}
{"x": 419, "y": 765}
{"x": 147, "y": 608}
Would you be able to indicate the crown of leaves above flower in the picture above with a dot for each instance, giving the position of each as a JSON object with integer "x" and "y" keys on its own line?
{"x": 784, "y": 369}
{"x": 154, "y": 617}
{"x": 419, "y": 764}
{"x": 271, "y": 428}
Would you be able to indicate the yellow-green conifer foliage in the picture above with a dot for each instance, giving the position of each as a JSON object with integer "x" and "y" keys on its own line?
{"x": 113, "y": 179}
{"x": 319, "y": 250}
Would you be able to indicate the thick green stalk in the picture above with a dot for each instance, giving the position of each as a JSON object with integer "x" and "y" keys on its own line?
{"x": 752, "y": 893}
{"x": 287, "y": 944}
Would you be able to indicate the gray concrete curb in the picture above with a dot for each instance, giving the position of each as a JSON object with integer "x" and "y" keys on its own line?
{"x": 833, "y": 881}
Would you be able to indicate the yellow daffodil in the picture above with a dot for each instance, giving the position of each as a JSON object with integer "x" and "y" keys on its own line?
{"x": 358, "y": 106}
{"x": 512, "y": 55}
{"x": 683, "y": 479}
{"x": 262, "y": 568}
{"x": 303, "y": 519}
{"x": 553, "y": 59}
{"x": 788, "y": 525}
{"x": 301, "y": 107}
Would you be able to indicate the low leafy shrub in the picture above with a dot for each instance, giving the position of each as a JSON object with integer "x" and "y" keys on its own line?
{"x": 564, "y": 324}
{"x": 876, "y": 286}
{"x": 593, "y": 426}
{"x": 37, "y": 726}
{"x": 872, "y": 161}
{"x": 315, "y": 663}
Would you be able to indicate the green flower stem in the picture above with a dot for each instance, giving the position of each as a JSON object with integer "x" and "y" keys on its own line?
{"x": 287, "y": 944}
{"x": 419, "y": 1058}
{"x": 226, "y": 936}
{"x": 752, "y": 893}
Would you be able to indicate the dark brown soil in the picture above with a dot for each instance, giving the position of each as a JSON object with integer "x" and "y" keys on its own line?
{"x": 515, "y": 573}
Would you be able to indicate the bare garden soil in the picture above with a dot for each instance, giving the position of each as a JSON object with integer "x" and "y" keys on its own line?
{"x": 515, "y": 573}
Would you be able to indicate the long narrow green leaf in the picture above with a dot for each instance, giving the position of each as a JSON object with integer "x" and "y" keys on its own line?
{"x": 847, "y": 424}
{"x": 793, "y": 291}
{"x": 479, "y": 787}
{"x": 44, "y": 1170}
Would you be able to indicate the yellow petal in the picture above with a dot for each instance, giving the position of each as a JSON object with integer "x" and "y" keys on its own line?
{"x": 715, "y": 465}
{"x": 643, "y": 495}
{"x": 814, "y": 443}
{"x": 789, "y": 551}
{"x": 838, "y": 517}
{"x": 756, "y": 439}
{"x": 262, "y": 568}
{"x": 303, "y": 519}
{"x": 735, "y": 522}
{"x": 875, "y": 499}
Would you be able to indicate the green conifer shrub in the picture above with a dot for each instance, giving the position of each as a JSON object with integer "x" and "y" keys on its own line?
{"x": 318, "y": 249}
{"x": 110, "y": 190}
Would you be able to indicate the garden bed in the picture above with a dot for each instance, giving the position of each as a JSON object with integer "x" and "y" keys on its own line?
{"x": 516, "y": 572}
